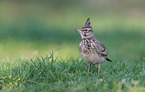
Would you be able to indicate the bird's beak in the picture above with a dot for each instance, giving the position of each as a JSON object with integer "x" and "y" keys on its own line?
{"x": 78, "y": 30}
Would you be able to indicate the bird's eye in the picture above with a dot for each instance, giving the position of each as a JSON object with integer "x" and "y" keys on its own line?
{"x": 86, "y": 30}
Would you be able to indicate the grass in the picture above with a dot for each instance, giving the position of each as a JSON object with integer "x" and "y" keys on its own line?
{"x": 47, "y": 74}
{"x": 29, "y": 30}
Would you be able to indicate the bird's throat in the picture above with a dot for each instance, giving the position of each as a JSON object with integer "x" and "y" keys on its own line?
{"x": 88, "y": 36}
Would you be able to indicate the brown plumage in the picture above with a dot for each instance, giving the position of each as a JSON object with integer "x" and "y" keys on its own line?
{"x": 92, "y": 50}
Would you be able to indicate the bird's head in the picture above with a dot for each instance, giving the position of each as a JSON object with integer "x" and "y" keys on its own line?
{"x": 86, "y": 31}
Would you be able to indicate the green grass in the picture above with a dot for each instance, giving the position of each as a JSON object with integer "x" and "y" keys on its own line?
{"x": 29, "y": 30}
{"x": 47, "y": 74}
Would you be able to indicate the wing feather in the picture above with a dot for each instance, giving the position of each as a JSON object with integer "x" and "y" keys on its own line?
{"x": 101, "y": 49}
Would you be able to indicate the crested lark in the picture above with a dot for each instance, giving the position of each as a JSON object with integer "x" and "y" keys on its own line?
{"x": 91, "y": 50}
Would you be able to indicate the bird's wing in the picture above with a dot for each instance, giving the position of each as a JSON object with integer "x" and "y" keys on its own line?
{"x": 101, "y": 49}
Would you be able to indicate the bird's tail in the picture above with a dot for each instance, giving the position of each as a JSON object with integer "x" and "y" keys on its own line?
{"x": 108, "y": 59}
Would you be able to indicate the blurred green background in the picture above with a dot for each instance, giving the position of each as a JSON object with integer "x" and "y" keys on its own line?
{"x": 31, "y": 28}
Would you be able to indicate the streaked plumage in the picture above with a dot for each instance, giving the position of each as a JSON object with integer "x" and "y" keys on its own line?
{"x": 91, "y": 50}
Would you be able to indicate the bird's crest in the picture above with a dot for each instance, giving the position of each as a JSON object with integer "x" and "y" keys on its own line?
{"x": 87, "y": 24}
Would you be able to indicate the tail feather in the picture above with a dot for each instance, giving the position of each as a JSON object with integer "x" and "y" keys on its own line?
{"x": 108, "y": 59}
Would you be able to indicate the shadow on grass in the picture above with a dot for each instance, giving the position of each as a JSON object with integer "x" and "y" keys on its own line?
{"x": 32, "y": 31}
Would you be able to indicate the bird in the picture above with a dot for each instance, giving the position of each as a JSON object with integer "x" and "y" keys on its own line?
{"x": 92, "y": 50}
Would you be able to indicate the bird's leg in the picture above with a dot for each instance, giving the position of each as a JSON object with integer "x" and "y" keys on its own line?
{"x": 98, "y": 68}
{"x": 89, "y": 67}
